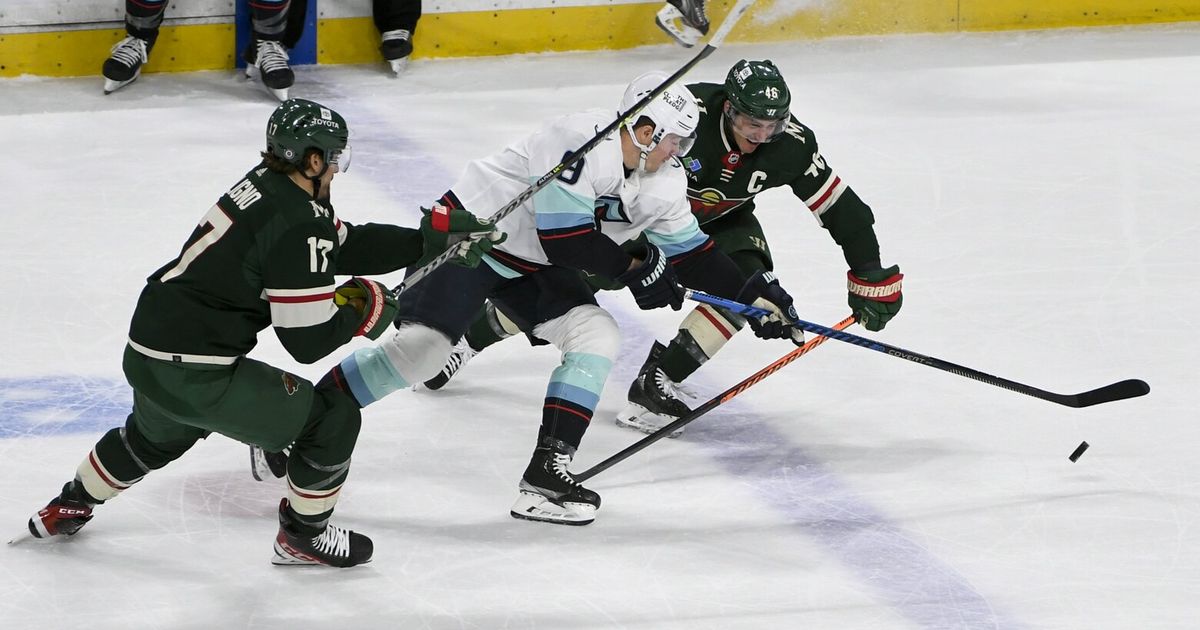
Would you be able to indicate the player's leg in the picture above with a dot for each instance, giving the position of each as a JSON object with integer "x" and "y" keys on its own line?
{"x": 430, "y": 314}
{"x": 489, "y": 327}
{"x": 397, "y": 22}
{"x": 152, "y": 437}
{"x": 654, "y": 400}
{"x": 124, "y": 64}
{"x": 265, "y": 55}
{"x": 564, "y": 313}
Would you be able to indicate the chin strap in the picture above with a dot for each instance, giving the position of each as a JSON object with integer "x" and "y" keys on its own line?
{"x": 316, "y": 182}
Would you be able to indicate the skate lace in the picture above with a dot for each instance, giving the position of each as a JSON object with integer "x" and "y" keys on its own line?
{"x": 334, "y": 541}
{"x": 671, "y": 389}
{"x": 396, "y": 34}
{"x": 271, "y": 56}
{"x": 130, "y": 51}
{"x": 462, "y": 353}
{"x": 559, "y": 464}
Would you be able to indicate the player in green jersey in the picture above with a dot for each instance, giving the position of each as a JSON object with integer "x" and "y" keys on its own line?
{"x": 747, "y": 142}
{"x": 265, "y": 254}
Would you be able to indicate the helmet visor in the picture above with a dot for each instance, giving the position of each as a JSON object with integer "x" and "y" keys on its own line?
{"x": 756, "y": 130}
{"x": 340, "y": 159}
{"x": 678, "y": 145}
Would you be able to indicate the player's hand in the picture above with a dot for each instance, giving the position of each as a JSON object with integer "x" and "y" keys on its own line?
{"x": 373, "y": 301}
{"x": 470, "y": 236}
{"x": 874, "y": 296}
{"x": 763, "y": 290}
{"x": 652, "y": 281}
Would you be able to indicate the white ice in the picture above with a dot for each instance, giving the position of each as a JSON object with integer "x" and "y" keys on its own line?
{"x": 1039, "y": 190}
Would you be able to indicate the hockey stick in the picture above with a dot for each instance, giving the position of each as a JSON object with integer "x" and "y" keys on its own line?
{"x": 712, "y": 403}
{"x": 1130, "y": 388}
{"x": 735, "y": 14}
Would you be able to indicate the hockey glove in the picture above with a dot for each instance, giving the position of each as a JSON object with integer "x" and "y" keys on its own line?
{"x": 653, "y": 282}
{"x": 763, "y": 290}
{"x": 874, "y": 296}
{"x": 470, "y": 236}
{"x": 374, "y": 303}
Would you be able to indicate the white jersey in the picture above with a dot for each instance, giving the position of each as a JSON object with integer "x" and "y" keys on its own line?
{"x": 594, "y": 192}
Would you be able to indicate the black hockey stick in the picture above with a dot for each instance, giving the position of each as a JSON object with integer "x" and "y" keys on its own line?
{"x": 1117, "y": 391}
{"x": 1131, "y": 388}
{"x": 734, "y": 15}
{"x": 712, "y": 403}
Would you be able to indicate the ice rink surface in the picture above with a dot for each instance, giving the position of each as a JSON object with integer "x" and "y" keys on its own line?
{"x": 1039, "y": 190}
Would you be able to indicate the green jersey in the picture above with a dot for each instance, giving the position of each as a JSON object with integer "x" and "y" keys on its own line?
{"x": 722, "y": 179}
{"x": 264, "y": 255}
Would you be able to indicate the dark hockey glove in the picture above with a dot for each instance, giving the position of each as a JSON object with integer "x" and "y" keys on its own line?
{"x": 374, "y": 303}
{"x": 874, "y": 296}
{"x": 471, "y": 236}
{"x": 653, "y": 282}
{"x": 763, "y": 290}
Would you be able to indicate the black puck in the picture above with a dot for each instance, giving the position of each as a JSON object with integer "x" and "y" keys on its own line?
{"x": 1083, "y": 446}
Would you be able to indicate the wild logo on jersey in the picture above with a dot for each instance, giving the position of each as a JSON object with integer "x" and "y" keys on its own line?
{"x": 710, "y": 203}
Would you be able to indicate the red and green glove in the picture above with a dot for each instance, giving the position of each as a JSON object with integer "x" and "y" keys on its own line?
{"x": 373, "y": 301}
{"x": 874, "y": 296}
{"x": 471, "y": 236}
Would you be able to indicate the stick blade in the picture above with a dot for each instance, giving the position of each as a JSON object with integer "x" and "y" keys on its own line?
{"x": 1131, "y": 388}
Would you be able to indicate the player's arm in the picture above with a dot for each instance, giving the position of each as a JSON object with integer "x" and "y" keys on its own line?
{"x": 376, "y": 248}
{"x": 874, "y": 293}
{"x": 298, "y": 280}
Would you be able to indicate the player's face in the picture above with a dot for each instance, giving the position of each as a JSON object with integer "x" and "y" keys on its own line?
{"x": 670, "y": 147}
{"x": 749, "y": 132}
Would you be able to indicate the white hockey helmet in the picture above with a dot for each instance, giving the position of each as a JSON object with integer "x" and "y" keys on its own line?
{"x": 674, "y": 111}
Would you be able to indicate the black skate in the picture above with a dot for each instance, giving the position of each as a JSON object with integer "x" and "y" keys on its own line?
{"x": 396, "y": 47}
{"x": 265, "y": 464}
{"x": 459, "y": 356}
{"x": 334, "y": 547}
{"x": 653, "y": 398}
{"x": 684, "y": 20}
{"x": 124, "y": 65}
{"x": 63, "y": 516}
{"x": 548, "y": 491}
{"x": 268, "y": 61}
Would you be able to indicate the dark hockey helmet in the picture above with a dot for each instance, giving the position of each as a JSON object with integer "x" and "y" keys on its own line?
{"x": 755, "y": 88}
{"x": 298, "y": 125}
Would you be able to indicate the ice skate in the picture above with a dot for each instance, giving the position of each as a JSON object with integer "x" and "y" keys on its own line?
{"x": 653, "y": 398}
{"x": 684, "y": 20}
{"x": 267, "y": 61}
{"x": 266, "y": 464}
{"x": 549, "y": 493}
{"x": 63, "y": 516}
{"x": 396, "y": 47}
{"x": 333, "y": 547}
{"x": 459, "y": 356}
{"x": 124, "y": 64}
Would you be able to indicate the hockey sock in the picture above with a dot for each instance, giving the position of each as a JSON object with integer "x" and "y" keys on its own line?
{"x": 270, "y": 19}
{"x": 111, "y": 467}
{"x": 143, "y": 17}
{"x": 320, "y": 458}
{"x": 701, "y": 336}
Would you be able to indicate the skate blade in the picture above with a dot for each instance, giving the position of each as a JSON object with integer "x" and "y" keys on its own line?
{"x": 683, "y": 34}
{"x": 253, "y": 75}
{"x": 634, "y": 417}
{"x": 536, "y": 507}
{"x": 111, "y": 86}
{"x": 398, "y": 65}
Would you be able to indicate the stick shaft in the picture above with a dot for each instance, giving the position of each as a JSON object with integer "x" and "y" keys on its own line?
{"x": 712, "y": 403}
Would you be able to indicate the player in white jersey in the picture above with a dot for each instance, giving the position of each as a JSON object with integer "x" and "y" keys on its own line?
{"x": 629, "y": 184}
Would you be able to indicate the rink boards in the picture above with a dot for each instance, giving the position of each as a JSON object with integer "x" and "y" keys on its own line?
{"x": 72, "y": 39}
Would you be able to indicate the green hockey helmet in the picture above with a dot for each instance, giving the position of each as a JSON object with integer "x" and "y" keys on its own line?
{"x": 755, "y": 88}
{"x": 298, "y": 125}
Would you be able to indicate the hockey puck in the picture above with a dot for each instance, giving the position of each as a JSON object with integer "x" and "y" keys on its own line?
{"x": 1083, "y": 446}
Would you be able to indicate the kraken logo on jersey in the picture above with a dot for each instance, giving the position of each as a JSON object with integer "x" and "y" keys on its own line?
{"x": 710, "y": 203}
